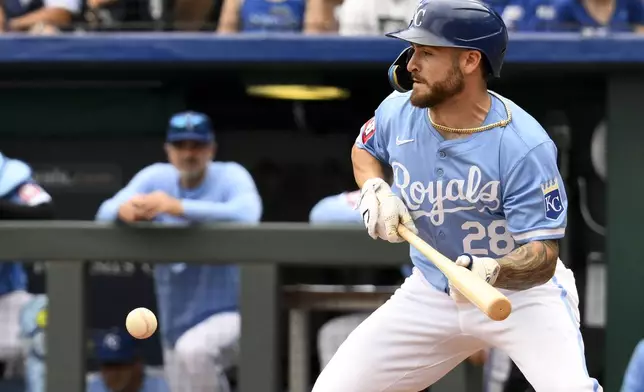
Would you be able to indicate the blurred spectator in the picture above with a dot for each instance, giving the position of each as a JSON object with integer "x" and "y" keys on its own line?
{"x": 198, "y": 304}
{"x": 273, "y": 15}
{"x": 38, "y": 16}
{"x": 597, "y": 17}
{"x": 121, "y": 366}
{"x": 374, "y": 17}
{"x": 21, "y": 198}
{"x": 634, "y": 376}
{"x": 196, "y": 14}
{"x": 119, "y": 15}
{"x": 526, "y": 15}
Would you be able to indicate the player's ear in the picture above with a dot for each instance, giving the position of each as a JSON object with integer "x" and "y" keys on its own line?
{"x": 470, "y": 61}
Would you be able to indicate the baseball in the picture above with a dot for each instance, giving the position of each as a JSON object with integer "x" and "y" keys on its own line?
{"x": 141, "y": 323}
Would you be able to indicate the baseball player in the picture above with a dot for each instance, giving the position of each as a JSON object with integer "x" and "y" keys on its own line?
{"x": 121, "y": 365}
{"x": 476, "y": 177}
{"x": 21, "y": 198}
{"x": 198, "y": 304}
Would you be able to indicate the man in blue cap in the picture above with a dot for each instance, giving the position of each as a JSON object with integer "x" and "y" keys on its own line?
{"x": 121, "y": 366}
{"x": 198, "y": 304}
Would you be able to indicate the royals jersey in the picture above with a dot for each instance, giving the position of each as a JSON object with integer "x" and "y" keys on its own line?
{"x": 485, "y": 194}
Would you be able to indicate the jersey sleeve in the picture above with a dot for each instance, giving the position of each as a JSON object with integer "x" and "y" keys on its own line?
{"x": 534, "y": 199}
{"x": 29, "y": 194}
{"x": 373, "y": 138}
{"x": 243, "y": 202}
{"x": 108, "y": 211}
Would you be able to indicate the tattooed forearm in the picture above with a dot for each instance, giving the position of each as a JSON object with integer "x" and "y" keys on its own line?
{"x": 530, "y": 265}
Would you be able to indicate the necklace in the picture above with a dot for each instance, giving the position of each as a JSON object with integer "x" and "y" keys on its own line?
{"x": 502, "y": 123}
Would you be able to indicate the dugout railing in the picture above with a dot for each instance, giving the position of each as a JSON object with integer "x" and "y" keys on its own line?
{"x": 259, "y": 250}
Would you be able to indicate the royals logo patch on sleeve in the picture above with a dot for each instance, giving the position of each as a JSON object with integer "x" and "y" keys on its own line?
{"x": 368, "y": 130}
{"x": 32, "y": 195}
{"x": 552, "y": 199}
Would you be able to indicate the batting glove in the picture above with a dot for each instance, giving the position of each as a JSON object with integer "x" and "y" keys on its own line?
{"x": 485, "y": 267}
{"x": 382, "y": 211}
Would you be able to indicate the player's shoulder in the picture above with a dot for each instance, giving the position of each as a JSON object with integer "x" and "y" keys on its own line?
{"x": 393, "y": 109}
{"x": 524, "y": 132}
{"x": 394, "y": 104}
{"x": 155, "y": 170}
{"x": 227, "y": 168}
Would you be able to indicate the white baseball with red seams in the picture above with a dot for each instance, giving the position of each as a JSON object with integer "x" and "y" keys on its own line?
{"x": 141, "y": 323}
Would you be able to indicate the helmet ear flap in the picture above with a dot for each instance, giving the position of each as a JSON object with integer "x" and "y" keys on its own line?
{"x": 399, "y": 78}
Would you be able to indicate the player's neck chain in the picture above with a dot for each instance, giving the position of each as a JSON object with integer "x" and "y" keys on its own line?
{"x": 483, "y": 128}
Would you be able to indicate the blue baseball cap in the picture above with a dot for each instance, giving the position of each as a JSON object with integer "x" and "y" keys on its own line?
{"x": 193, "y": 126}
{"x": 115, "y": 346}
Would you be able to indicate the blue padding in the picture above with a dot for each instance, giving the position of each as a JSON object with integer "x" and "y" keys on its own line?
{"x": 251, "y": 48}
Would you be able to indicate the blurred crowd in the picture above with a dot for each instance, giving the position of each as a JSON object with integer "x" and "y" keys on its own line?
{"x": 344, "y": 17}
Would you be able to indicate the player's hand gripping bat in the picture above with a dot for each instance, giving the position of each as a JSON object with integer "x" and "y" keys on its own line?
{"x": 480, "y": 293}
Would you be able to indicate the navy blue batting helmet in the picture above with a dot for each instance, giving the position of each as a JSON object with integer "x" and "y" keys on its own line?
{"x": 467, "y": 24}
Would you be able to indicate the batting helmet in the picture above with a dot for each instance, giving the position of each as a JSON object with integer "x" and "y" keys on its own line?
{"x": 467, "y": 24}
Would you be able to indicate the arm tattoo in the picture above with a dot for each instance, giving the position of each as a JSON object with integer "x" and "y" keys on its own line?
{"x": 528, "y": 266}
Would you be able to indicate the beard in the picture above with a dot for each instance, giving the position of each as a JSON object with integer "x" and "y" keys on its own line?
{"x": 439, "y": 92}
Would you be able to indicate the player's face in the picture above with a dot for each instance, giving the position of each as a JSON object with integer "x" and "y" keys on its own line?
{"x": 189, "y": 157}
{"x": 118, "y": 377}
{"x": 436, "y": 74}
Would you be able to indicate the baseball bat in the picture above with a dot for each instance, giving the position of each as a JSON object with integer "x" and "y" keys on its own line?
{"x": 480, "y": 293}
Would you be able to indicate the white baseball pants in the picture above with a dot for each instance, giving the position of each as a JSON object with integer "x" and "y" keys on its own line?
{"x": 202, "y": 355}
{"x": 420, "y": 334}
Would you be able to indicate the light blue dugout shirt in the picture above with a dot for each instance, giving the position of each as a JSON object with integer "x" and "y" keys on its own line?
{"x": 187, "y": 294}
{"x": 485, "y": 194}
{"x": 340, "y": 208}
{"x": 151, "y": 383}
{"x": 634, "y": 377}
{"x": 17, "y": 186}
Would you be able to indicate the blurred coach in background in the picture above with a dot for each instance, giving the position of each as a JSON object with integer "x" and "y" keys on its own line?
{"x": 198, "y": 304}
{"x": 21, "y": 198}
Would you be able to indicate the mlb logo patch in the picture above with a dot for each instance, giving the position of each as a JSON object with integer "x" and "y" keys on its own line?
{"x": 552, "y": 199}
{"x": 368, "y": 130}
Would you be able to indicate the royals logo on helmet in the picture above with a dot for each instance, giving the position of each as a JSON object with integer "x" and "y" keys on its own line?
{"x": 552, "y": 199}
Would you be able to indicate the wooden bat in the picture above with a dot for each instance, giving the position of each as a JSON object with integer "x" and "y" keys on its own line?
{"x": 485, "y": 297}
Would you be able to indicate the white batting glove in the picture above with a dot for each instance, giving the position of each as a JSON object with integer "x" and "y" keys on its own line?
{"x": 485, "y": 267}
{"x": 382, "y": 211}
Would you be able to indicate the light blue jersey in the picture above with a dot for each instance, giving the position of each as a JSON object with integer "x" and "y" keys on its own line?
{"x": 485, "y": 194}
{"x": 187, "y": 294}
{"x": 634, "y": 376}
{"x": 151, "y": 383}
